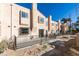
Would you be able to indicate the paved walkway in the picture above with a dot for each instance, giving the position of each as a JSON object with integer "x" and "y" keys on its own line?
{"x": 53, "y": 52}
{"x": 40, "y": 40}
{"x": 30, "y": 43}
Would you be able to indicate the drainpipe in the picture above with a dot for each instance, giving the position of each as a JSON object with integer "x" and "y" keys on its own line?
{"x": 11, "y": 21}
{"x": 14, "y": 37}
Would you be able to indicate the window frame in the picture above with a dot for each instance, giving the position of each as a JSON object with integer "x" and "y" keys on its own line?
{"x": 41, "y": 20}
{"x": 23, "y": 14}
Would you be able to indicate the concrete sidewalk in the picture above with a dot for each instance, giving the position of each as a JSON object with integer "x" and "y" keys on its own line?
{"x": 38, "y": 41}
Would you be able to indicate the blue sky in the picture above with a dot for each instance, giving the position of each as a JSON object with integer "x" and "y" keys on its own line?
{"x": 57, "y": 10}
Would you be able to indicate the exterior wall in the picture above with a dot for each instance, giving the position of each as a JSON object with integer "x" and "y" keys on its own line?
{"x": 59, "y": 25}
{"x": 36, "y": 14}
{"x": 34, "y": 20}
{"x": 41, "y": 25}
{"x": 9, "y": 14}
{"x": 54, "y": 26}
{"x": 49, "y": 24}
{"x": 5, "y": 16}
{"x": 46, "y": 27}
{"x": 11, "y": 20}
{"x": 21, "y": 22}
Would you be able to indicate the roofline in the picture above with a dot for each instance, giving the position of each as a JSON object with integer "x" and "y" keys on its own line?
{"x": 20, "y": 6}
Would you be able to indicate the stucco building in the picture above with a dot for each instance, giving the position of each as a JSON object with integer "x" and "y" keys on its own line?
{"x": 17, "y": 20}
{"x": 54, "y": 26}
{"x": 14, "y": 19}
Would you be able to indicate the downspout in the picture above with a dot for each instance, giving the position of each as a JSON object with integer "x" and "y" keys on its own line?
{"x": 11, "y": 21}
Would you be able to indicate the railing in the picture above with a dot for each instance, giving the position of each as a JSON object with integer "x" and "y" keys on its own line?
{"x": 28, "y": 40}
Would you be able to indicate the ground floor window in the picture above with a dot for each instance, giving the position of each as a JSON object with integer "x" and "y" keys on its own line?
{"x": 41, "y": 32}
{"x": 23, "y": 31}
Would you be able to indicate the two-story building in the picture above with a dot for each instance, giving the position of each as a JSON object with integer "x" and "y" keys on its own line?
{"x": 40, "y": 25}
{"x": 17, "y": 20}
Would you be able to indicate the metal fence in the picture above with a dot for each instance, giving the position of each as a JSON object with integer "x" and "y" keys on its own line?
{"x": 29, "y": 42}
{"x": 24, "y": 41}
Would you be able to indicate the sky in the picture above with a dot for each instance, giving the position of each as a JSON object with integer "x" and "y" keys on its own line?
{"x": 56, "y": 10}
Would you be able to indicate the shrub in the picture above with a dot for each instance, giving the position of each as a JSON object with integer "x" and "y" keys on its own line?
{"x": 44, "y": 47}
{"x": 3, "y": 46}
{"x": 74, "y": 31}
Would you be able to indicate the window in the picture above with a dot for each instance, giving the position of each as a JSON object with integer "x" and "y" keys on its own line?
{"x": 24, "y": 14}
{"x": 24, "y": 31}
{"x": 46, "y": 23}
{"x": 56, "y": 24}
{"x": 41, "y": 20}
{"x": 52, "y": 24}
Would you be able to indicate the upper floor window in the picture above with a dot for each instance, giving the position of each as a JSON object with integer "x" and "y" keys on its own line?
{"x": 52, "y": 24}
{"x": 41, "y": 20}
{"x": 46, "y": 23}
{"x": 24, "y": 14}
{"x": 56, "y": 24}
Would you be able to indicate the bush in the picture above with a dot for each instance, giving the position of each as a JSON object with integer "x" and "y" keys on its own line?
{"x": 44, "y": 47}
{"x": 1, "y": 50}
{"x": 74, "y": 31}
{"x": 3, "y": 46}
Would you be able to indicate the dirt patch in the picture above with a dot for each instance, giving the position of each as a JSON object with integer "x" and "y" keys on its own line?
{"x": 34, "y": 50}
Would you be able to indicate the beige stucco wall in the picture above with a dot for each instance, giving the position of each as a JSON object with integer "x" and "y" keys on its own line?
{"x": 36, "y": 26}
{"x": 25, "y": 21}
{"x": 35, "y": 20}
{"x": 54, "y": 26}
{"x": 5, "y": 18}
{"x": 59, "y": 25}
{"x": 42, "y": 24}
{"x": 5, "y": 15}
{"x": 50, "y": 18}
{"x": 46, "y": 27}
